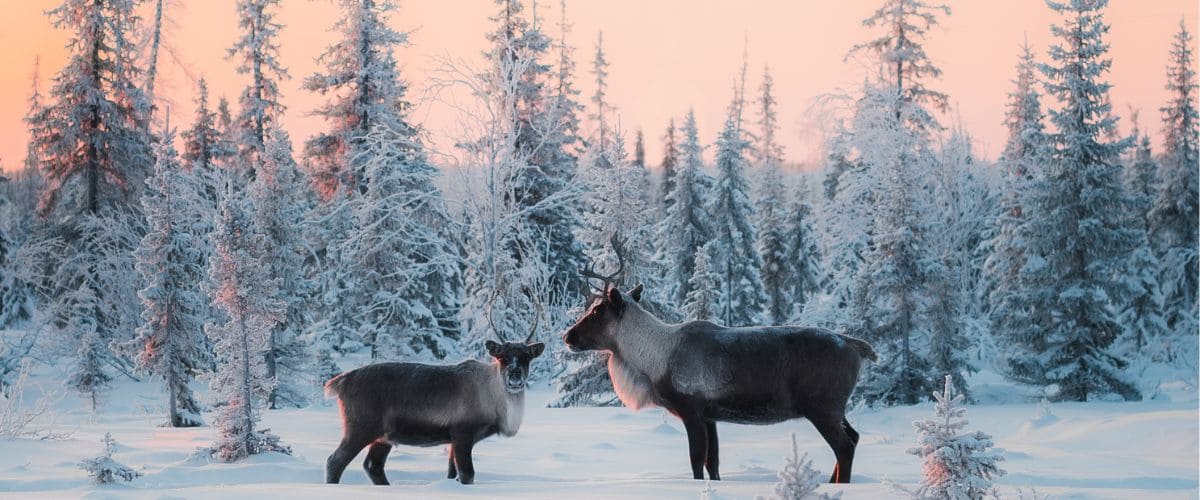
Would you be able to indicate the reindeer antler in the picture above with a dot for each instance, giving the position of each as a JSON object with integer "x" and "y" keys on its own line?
{"x": 537, "y": 315}
{"x": 491, "y": 322}
{"x": 589, "y": 273}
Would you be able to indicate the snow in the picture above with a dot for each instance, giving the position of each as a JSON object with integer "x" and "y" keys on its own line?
{"x": 1102, "y": 450}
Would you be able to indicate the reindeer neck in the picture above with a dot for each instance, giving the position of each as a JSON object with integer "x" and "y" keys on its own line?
{"x": 644, "y": 342}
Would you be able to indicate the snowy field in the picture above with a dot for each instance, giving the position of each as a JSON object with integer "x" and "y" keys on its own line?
{"x": 1095, "y": 450}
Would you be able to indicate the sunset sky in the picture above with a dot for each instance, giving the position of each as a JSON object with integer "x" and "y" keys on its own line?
{"x": 665, "y": 55}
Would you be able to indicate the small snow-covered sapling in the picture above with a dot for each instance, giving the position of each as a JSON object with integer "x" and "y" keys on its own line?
{"x": 956, "y": 465}
{"x": 103, "y": 469}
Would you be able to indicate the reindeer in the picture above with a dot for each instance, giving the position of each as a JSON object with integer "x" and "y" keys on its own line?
{"x": 704, "y": 373}
{"x": 387, "y": 404}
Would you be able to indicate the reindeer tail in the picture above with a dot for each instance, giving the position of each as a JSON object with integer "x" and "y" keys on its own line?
{"x": 333, "y": 388}
{"x": 860, "y": 346}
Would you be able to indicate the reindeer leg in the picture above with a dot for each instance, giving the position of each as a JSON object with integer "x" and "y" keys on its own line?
{"x": 462, "y": 459}
{"x": 452, "y": 472}
{"x": 341, "y": 457}
{"x": 376, "y": 457}
{"x": 712, "y": 462}
{"x": 697, "y": 442}
{"x": 843, "y": 445}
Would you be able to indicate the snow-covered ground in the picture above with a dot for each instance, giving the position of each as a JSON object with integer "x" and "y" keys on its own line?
{"x": 1095, "y": 450}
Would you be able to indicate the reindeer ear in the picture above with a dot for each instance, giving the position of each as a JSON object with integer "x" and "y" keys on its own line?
{"x": 615, "y": 299}
{"x": 491, "y": 347}
{"x": 535, "y": 350}
{"x": 636, "y": 293}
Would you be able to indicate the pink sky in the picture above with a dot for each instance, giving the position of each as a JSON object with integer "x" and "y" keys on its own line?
{"x": 665, "y": 55}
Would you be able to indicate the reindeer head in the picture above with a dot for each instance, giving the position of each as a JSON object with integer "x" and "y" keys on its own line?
{"x": 596, "y": 330}
{"x": 598, "y": 326}
{"x": 514, "y": 357}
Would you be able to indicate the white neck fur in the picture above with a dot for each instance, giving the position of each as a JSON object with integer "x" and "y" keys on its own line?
{"x": 644, "y": 346}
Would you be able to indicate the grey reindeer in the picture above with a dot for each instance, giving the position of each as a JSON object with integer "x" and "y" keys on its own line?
{"x": 414, "y": 404}
{"x": 704, "y": 373}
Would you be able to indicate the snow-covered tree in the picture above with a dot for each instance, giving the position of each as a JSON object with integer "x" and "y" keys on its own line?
{"x": 901, "y": 50}
{"x": 742, "y": 298}
{"x": 669, "y": 167}
{"x": 205, "y": 148}
{"x": 686, "y": 227}
{"x": 247, "y": 294}
{"x": 802, "y": 252}
{"x": 1021, "y": 160}
{"x": 88, "y": 375}
{"x": 544, "y": 128}
{"x": 103, "y": 469}
{"x": 1077, "y": 231}
{"x": 91, "y": 140}
{"x": 600, "y": 72}
{"x": 1175, "y": 215}
{"x": 798, "y": 480}
{"x": 703, "y": 298}
{"x": 401, "y": 261}
{"x": 900, "y": 282}
{"x": 257, "y": 53}
{"x": 777, "y": 272}
{"x": 1144, "y": 317}
{"x": 170, "y": 342}
{"x": 956, "y": 465}
{"x": 363, "y": 89}
{"x": 278, "y": 203}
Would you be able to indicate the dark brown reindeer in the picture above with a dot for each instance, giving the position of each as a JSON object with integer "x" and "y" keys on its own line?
{"x": 704, "y": 373}
{"x": 387, "y": 404}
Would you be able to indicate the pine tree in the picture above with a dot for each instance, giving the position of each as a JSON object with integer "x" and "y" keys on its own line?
{"x": 802, "y": 253}
{"x": 544, "y": 139}
{"x": 364, "y": 90}
{"x": 90, "y": 140}
{"x": 403, "y": 259}
{"x": 669, "y": 166}
{"x": 1144, "y": 317}
{"x": 247, "y": 294}
{"x": 103, "y": 469}
{"x": 205, "y": 148}
{"x": 1175, "y": 215}
{"x": 87, "y": 375}
{"x": 798, "y": 480}
{"x": 777, "y": 272}
{"x": 600, "y": 71}
{"x": 257, "y": 52}
{"x": 703, "y": 299}
{"x": 170, "y": 342}
{"x": 685, "y": 228}
{"x": 957, "y": 466}
{"x": 738, "y": 261}
{"x": 898, "y": 298}
{"x": 1022, "y": 159}
{"x": 901, "y": 50}
{"x": 1078, "y": 234}
{"x": 277, "y": 197}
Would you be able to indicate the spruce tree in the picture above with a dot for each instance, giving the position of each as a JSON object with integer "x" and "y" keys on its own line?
{"x": 1175, "y": 215}
{"x": 91, "y": 139}
{"x": 702, "y": 301}
{"x": 735, "y": 254}
{"x": 686, "y": 227}
{"x": 257, "y": 53}
{"x": 669, "y": 166}
{"x": 1077, "y": 228}
{"x": 170, "y": 342}
{"x": 403, "y": 260}
{"x": 777, "y": 272}
{"x": 247, "y": 294}
{"x": 363, "y": 89}
{"x": 278, "y": 203}
{"x": 802, "y": 253}
{"x": 205, "y": 148}
{"x": 1021, "y": 160}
